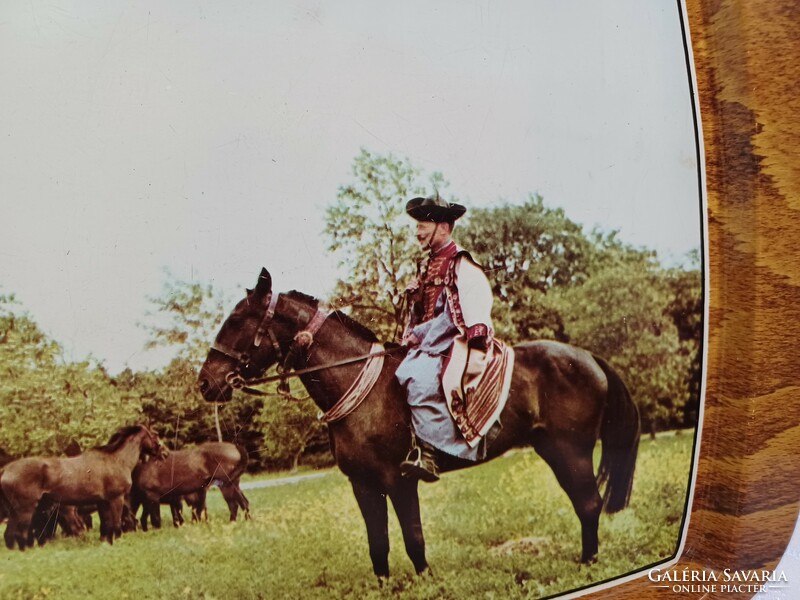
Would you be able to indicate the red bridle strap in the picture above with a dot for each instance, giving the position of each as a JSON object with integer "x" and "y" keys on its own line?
{"x": 305, "y": 338}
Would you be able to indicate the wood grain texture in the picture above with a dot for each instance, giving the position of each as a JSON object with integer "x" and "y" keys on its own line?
{"x": 747, "y": 495}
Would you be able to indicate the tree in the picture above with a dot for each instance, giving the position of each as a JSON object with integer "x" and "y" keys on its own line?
{"x": 686, "y": 311}
{"x": 186, "y": 316}
{"x": 621, "y": 312}
{"x": 46, "y": 402}
{"x": 290, "y": 427}
{"x": 369, "y": 230}
{"x": 527, "y": 251}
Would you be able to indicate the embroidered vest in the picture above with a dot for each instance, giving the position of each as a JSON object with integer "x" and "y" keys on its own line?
{"x": 433, "y": 276}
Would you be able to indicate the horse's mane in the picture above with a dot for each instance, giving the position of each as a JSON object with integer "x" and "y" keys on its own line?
{"x": 346, "y": 320}
{"x": 119, "y": 438}
{"x": 295, "y": 295}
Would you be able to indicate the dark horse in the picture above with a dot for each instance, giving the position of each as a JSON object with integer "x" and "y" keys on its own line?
{"x": 561, "y": 400}
{"x": 100, "y": 476}
{"x": 189, "y": 471}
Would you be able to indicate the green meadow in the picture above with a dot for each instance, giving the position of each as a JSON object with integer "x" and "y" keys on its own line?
{"x": 501, "y": 530}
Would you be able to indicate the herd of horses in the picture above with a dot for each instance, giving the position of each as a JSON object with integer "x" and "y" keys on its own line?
{"x": 562, "y": 400}
{"x": 133, "y": 470}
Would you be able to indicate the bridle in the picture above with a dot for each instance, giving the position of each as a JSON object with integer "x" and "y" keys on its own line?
{"x": 301, "y": 343}
{"x": 242, "y": 358}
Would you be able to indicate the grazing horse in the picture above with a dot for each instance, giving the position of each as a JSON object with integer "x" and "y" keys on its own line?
{"x": 561, "y": 400}
{"x": 189, "y": 471}
{"x": 100, "y": 476}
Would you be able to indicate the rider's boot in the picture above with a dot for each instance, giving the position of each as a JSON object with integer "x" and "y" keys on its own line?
{"x": 421, "y": 463}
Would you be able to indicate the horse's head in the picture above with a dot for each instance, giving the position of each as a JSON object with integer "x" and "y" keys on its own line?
{"x": 147, "y": 441}
{"x": 255, "y": 336}
{"x": 151, "y": 444}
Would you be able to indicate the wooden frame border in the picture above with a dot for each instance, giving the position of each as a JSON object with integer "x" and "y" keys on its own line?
{"x": 746, "y": 495}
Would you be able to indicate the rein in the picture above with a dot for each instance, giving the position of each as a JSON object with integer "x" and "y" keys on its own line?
{"x": 338, "y": 363}
{"x": 302, "y": 340}
{"x": 243, "y": 384}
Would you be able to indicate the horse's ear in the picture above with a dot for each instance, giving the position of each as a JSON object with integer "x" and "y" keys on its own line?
{"x": 264, "y": 285}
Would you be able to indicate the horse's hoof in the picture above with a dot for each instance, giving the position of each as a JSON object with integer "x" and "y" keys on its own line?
{"x": 382, "y": 579}
{"x": 425, "y": 572}
{"x": 589, "y": 561}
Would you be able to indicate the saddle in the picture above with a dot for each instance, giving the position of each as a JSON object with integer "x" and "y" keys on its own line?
{"x": 476, "y": 386}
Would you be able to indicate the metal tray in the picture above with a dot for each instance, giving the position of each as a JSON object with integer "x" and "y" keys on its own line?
{"x": 745, "y": 501}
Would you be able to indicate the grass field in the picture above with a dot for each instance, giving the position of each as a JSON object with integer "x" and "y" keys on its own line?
{"x": 502, "y": 530}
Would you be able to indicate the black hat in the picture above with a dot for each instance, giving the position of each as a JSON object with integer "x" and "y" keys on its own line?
{"x": 434, "y": 208}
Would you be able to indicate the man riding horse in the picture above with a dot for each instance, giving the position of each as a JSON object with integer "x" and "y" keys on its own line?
{"x": 449, "y": 303}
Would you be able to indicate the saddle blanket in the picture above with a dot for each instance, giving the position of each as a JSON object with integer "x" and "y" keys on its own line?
{"x": 476, "y": 386}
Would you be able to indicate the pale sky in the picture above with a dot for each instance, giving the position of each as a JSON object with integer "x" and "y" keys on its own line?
{"x": 208, "y": 137}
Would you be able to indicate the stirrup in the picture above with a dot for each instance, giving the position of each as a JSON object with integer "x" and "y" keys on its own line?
{"x": 420, "y": 465}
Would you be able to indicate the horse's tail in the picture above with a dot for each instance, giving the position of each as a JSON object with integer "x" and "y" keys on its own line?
{"x": 619, "y": 434}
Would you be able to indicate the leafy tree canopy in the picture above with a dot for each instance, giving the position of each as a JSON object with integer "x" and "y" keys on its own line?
{"x": 186, "y": 316}
{"x": 527, "y": 250}
{"x": 374, "y": 239}
{"x": 46, "y": 402}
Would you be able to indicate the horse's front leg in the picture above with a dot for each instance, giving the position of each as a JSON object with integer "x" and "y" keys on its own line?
{"x": 144, "y": 517}
{"x": 115, "y": 513}
{"x": 106, "y": 522}
{"x": 18, "y": 529}
{"x": 10, "y": 535}
{"x": 373, "y": 508}
{"x": 405, "y": 500}
{"x": 151, "y": 509}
